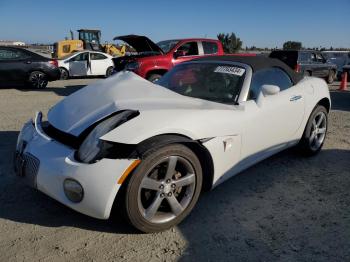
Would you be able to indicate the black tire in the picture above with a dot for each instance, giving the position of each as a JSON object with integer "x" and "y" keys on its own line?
{"x": 133, "y": 189}
{"x": 154, "y": 77}
{"x": 64, "y": 73}
{"x": 37, "y": 80}
{"x": 109, "y": 71}
{"x": 331, "y": 76}
{"x": 305, "y": 145}
{"x": 307, "y": 73}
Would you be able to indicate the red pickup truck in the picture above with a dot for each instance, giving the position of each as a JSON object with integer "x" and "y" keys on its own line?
{"x": 151, "y": 60}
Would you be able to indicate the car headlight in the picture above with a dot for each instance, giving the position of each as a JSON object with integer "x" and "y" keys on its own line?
{"x": 132, "y": 66}
{"x": 92, "y": 147}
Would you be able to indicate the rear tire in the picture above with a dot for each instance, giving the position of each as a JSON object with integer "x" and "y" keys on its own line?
{"x": 154, "y": 77}
{"x": 163, "y": 189}
{"x": 315, "y": 132}
{"x": 64, "y": 73}
{"x": 109, "y": 71}
{"x": 37, "y": 80}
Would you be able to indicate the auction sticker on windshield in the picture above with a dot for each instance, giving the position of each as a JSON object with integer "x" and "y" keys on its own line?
{"x": 233, "y": 70}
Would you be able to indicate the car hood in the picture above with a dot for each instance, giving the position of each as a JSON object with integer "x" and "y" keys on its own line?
{"x": 140, "y": 43}
{"x": 124, "y": 90}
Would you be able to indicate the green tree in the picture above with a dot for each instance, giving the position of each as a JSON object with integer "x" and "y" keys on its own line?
{"x": 230, "y": 42}
{"x": 292, "y": 45}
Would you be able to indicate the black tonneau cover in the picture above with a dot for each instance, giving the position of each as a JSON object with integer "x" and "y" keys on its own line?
{"x": 256, "y": 63}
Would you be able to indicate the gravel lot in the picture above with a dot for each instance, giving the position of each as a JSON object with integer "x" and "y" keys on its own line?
{"x": 287, "y": 208}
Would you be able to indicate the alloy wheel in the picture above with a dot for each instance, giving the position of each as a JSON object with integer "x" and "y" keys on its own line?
{"x": 38, "y": 80}
{"x": 318, "y": 131}
{"x": 167, "y": 189}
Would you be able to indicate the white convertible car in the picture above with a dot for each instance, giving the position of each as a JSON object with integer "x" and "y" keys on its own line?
{"x": 86, "y": 63}
{"x": 155, "y": 147}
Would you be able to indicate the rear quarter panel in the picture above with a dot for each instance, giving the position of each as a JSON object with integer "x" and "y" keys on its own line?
{"x": 314, "y": 90}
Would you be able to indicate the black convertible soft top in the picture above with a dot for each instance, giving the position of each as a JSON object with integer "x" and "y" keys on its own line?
{"x": 256, "y": 63}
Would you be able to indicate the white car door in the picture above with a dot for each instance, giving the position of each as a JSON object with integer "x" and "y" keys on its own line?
{"x": 79, "y": 65}
{"x": 272, "y": 120}
{"x": 99, "y": 63}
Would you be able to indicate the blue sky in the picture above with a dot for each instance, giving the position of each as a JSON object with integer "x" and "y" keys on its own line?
{"x": 266, "y": 23}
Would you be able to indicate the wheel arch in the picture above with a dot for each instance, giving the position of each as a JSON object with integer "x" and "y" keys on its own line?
{"x": 64, "y": 68}
{"x": 35, "y": 70}
{"x": 198, "y": 149}
{"x": 325, "y": 102}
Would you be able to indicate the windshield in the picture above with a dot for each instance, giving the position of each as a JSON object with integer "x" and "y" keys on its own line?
{"x": 210, "y": 81}
{"x": 167, "y": 45}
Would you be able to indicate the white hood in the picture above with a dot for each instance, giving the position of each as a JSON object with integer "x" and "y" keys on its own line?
{"x": 125, "y": 90}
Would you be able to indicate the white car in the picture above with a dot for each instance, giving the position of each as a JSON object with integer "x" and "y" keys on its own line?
{"x": 150, "y": 149}
{"x": 86, "y": 63}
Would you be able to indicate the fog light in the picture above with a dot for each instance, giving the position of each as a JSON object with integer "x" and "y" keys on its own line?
{"x": 73, "y": 190}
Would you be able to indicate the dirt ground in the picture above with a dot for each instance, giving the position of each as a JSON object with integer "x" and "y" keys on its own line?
{"x": 287, "y": 208}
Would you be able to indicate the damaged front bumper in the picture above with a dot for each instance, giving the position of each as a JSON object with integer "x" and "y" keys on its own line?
{"x": 45, "y": 164}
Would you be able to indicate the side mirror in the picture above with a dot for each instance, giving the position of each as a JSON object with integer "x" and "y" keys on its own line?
{"x": 269, "y": 90}
{"x": 179, "y": 53}
{"x": 266, "y": 90}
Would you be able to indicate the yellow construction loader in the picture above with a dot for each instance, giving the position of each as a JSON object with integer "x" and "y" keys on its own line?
{"x": 89, "y": 39}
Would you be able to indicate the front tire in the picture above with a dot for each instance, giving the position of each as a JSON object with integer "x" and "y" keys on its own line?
{"x": 37, "y": 80}
{"x": 154, "y": 77}
{"x": 163, "y": 189}
{"x": 315, "y": 132}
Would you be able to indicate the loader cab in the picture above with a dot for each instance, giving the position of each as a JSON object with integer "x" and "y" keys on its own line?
{"x": 91, "y": 39}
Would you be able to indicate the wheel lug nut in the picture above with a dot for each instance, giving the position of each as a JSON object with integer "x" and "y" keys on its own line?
{"x": 168, "y": 181}
{"x": 162, "y": 195}
{"x": 173, "y": 185}
{"x": 161, "y": 186}
{"x": 169, "y": 194}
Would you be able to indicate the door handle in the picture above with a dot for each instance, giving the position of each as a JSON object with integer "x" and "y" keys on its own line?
{"x": 28, "y": 62}
{"x": 295, "y": 98}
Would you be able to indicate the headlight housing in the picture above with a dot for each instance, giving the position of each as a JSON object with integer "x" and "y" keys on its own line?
{"x": 132, "y": 66}
{"x": 92, "y": 148}
{"x": 25, "y": 135}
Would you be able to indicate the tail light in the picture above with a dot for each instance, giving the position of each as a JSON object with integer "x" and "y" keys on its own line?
{"x": 297, "y": 68}
{"x": 54, "y": 63}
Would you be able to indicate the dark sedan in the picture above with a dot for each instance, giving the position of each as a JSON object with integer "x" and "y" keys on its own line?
{"x": 18, "y": 65}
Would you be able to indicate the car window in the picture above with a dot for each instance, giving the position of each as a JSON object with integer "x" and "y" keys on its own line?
{"x": 190, "y": 48}
{"x": 319, "y": 58}
{"x": 167, "y": 45}
{"x": 97, "y": 56}
{"x": 313, "y": 57}
{"x": 210, "y": 81}
{"x": 80, "y": 57}
{"x": 304, "y": 57}
{"x": 210, "y": 47}
{"x": 269, "y": 76}
{"x": 8, "y": 54}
